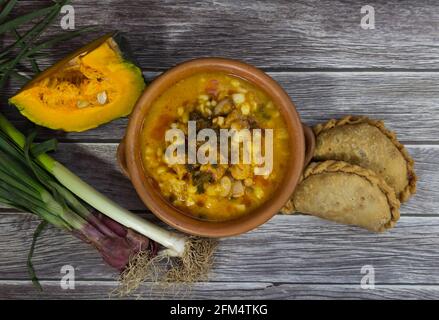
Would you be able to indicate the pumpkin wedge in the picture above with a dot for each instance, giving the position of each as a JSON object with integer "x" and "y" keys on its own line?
{"x": 90, "y": 87}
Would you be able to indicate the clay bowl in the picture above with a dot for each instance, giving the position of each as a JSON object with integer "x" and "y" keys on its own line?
{"x": 129, "y": 152}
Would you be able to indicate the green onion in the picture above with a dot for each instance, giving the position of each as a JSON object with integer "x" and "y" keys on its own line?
{"x": 50, "y": 195}
{"x": 60, "y": 38}
{"x": 18, "y": 75}
{"x": 174, "y": 242}
{"x": 25, "y": 43}
{"x": 30, "y": 266}
{"x": 12, "y": 24}
{"x": 39, "y": 28}
{"x": 7, "y": 9}
{"x": 32, "y": 181}
{"x": 35, "y": 67}
{"x": 27, "y": 185}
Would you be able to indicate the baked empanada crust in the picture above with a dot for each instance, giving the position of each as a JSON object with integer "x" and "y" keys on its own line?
{"x": 346, "y": 193}
{"x": 367, "y": 143}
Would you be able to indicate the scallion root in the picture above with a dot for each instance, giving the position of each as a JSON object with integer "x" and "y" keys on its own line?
{"x": 195, "y": 263}
{"x": 164, "y": 270}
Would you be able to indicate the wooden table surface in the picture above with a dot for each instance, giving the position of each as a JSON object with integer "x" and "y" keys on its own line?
{"x": 330, "y": 67}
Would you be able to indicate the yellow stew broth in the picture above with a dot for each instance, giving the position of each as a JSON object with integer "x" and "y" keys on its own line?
{"x": 215, "y": 192}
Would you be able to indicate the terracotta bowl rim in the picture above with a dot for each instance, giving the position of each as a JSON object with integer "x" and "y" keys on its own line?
{"x": 149, "y": 193}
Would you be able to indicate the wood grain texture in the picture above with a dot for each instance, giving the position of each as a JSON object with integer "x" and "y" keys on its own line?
{"x": 218, "y": 291}
{"x": 330, "y": 67}
{"x": 277, "y": 34}
{"x": 84, "y": 158}
{"x": 407, "y": 102}
{"x": 296, "y": 249}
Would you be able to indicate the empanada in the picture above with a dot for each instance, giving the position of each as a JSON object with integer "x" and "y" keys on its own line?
{"x": 346, "y": 193}
{"x": 367, "y": 143}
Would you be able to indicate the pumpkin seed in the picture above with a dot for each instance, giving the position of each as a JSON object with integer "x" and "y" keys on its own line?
{"x": 102, "y": 97}
{"x": 82, "y": 104}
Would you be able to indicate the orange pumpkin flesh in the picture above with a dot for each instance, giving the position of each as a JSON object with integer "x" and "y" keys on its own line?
{"x": 92, "y": 86}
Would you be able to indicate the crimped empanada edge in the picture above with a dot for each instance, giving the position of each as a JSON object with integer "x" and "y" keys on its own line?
{"x": 412, "y": 178}
{"x": 334, "y": 166}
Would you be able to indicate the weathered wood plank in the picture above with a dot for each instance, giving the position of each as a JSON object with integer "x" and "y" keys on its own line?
{"x": 406, "y": 101}
{"x": 307, "y": 37}
{"x": 276, "y": 34}
{"x": 296, "y": 249}
{"x": 218, "y": 291}
{"x": 84, "y": 158}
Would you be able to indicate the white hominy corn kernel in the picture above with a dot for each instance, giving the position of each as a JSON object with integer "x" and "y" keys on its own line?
{"x": 192, "y": 189}
{"x": 245, "y": 109}
{"x": 248, "y": 182}
{"x": 149, "y": 150}
{"x": 161, "y": 170}
{"x": 180, "y": 111}
{"x": 235, "y": 125}
{"x": 234, "y": 83}
{"x": 238, "y": 98}
{"x": 203, "y": 97}
{"x": 213, "y": 103}
{"x": 220, "y": 121}
{"x": 226, "y": 186}
{"x": 259, "y": 193}
{"x": 240, "y": 171}
{"x": 237, "y": 189}
{"x": 240, "y": 207}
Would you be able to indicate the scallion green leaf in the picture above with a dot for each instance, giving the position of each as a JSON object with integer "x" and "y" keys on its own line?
{"x": 43, "y": 147}
{"x": 35, "y": 67}
{"x": 15, "y": 23}
{"x": 7, "y": 9}
{"x": 30, "y": 266}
